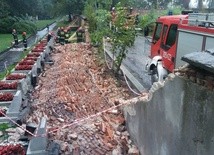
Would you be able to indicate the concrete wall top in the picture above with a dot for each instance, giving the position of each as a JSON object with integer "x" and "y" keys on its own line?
{"x": 178, "y": 120}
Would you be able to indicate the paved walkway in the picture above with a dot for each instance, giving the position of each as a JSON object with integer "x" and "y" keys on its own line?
{"x": 134, "y": 64}
{"x": 136, "y": 60}
{"x": 12, "y": 56}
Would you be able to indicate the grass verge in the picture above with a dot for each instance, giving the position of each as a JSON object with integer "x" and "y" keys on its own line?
{"x": 40, "y": 24}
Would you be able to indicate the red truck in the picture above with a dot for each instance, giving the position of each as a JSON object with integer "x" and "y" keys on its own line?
{"x": 176, "y": 36}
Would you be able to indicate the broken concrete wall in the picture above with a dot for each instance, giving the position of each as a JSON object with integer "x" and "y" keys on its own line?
{"x": 177, "y": 120}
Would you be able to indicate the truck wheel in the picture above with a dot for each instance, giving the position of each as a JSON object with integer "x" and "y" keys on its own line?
{"x": 154, "y": 75}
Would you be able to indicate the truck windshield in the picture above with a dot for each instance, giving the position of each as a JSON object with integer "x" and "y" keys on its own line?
{"x": 171, "y": 35}
{"x": 157, "y": 33}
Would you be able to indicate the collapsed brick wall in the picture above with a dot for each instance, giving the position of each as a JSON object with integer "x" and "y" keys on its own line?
{"x": 76, "y": 87}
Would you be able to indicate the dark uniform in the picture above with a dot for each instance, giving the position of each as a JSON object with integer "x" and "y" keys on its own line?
{"x": 62, "y": 36}
{"x": 49, "y": 37}
{"x": 15, "y": 37}
{"x": 24, "y": 40}
{"x": 80, "y": 35}
{"x": 67, "y": 36}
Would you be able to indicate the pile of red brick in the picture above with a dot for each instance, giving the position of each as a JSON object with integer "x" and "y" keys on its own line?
{"x": 74, "y": 88}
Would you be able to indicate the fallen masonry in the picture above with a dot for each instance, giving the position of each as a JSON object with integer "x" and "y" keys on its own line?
{"x": 75, "y": 95}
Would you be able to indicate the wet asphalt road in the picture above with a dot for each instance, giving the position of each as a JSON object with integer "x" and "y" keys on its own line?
{"x": 12, "y": 55}
{"x": 136, "y": 60}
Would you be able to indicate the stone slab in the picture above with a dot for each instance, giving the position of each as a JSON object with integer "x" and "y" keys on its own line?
{"x": 14, "y": 108}
{"x": 38, "y": 145}
{"x": 203, "y": 60}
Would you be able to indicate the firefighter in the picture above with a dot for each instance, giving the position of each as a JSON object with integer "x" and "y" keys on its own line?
{"x": 15, "y": 37}
{"x": 62, "y": 36}
{"x": 113, "y": 18}
{"x": 58, "y": 34}
{"x": 80, "y": 34}
{"x": 47, "y": 26}
{"x": 24, "y": 40}
{"x": 67, "y": 35}
{"x": 49, "y": 36}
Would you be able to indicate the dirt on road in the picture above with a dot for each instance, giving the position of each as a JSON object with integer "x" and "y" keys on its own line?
{"x": 76, "y": 94}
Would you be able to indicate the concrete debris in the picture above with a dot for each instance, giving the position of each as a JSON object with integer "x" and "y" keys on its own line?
{"x": 133, "y": 151}
{"x": 117, "y": 151}
{"x": 76, "y": 93}
{"x": 73, "y": 136}
{"x": 60, "y": 119}
{"x": 20, "y": 131}
{"x": 11, "y": 130}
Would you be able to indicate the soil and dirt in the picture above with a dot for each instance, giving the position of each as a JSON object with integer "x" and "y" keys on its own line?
{"x": 75, "y": 88}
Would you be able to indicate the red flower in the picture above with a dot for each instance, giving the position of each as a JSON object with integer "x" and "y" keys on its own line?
{"x": 6, "y": 96}
{"x": 23, "y": 67}
{"x": 15, "y": 76}
{"x": 5, "y": 85}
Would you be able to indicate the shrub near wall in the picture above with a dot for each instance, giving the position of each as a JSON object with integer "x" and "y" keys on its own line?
{"x": 8, "y": 23}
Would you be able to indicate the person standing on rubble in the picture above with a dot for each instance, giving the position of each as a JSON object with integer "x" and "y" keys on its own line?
{"x": 15, "y": 37}
{"x": 47, "y": 26}
{"x": 24, "y": 40}
{"x": 49, "y": 36}
{"x": 62, "y": 36}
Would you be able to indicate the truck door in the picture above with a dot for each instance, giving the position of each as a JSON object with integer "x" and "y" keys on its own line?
{"x": 168, "y": 47}
{"x": 156, "y": 40}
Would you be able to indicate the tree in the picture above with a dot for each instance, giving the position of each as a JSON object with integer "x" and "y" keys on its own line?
{"x": 185, "y": 3}
{"x": 123, "y": 37}
{"x": 4, "y": 9}
{"x": 98, "y": 15}
{"x": 63, "y": 7}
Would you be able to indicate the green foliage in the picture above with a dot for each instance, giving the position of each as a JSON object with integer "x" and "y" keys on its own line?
{"x": 149, "y": 18}
{"x": 26, "y": 26}
{"x": 4, "y": 9}
{"x": 6, "y": 24}
{"x": 63, "y": 7}
{"x": 123, "y": 37}
{"x": 102, "y": 20}
{"x": 99, "y": 18}
{"x": 4, "y": 126}
{"x": 20, "y": 24}
{"x": 90, "y": 14}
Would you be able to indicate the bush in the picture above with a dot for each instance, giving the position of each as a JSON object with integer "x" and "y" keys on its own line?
{"x": 6, "y": 24}
{"x": 9, "y": 23}
{"x": 90, "y": 14}
{"x": 26, "y": 26}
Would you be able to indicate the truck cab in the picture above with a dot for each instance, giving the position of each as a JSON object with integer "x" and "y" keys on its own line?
{"x": 175, "y": 36}
{"x": 164, "y": 39}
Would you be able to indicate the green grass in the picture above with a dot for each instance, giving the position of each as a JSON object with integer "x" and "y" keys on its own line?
{"x": 5, "y": 41}
{"x": 3, "y": 74}
{"x": 40, "y": 24}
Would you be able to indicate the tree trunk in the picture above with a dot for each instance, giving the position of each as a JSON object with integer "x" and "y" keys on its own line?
{"x": 200, "y": 5}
